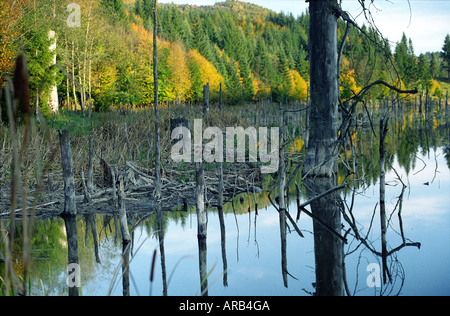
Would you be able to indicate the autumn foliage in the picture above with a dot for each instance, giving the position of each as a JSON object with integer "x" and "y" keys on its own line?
{"x": 182, "y": 73}
{"x": 253, "y": 53}
{"x": 10, "y": 15}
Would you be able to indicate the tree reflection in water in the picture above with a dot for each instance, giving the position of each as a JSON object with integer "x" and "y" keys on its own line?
{"x": 416, "y": 148}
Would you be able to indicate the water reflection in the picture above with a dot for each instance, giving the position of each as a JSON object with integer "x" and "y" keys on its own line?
{"x": 275, "y": 260}
{"x": 328, "y": 248}
{"x": 70, "y": 222}
{"x": 162, "y": 252}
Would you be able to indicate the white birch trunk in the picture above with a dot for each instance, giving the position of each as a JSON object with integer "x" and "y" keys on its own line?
{"x": 53, "y": 101}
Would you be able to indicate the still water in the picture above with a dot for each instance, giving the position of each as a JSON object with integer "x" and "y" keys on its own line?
{"x": 253, "y": 244}
{"x": 253, "y": 247}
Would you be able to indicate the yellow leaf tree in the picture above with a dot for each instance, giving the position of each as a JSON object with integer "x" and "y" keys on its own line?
{"x": 348, "y": 87}
{"x": 180, "y": 77}
{"x": 299, "y": 88}
{"x": 10, "y": 15}
{"x": 202, "y": 72}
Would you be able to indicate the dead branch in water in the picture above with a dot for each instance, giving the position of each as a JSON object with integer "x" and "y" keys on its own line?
{"x": 139, "y": 183}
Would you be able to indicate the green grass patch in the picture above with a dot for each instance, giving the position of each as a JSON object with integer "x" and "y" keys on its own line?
{"x": 76, "y": 123}
{"x": 79, "y": 125}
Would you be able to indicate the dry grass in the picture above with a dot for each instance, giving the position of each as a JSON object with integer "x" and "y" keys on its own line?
{"x": 118, "y": 138}
{"x": 30, "y": 163}
{"x": 23, "y": 158}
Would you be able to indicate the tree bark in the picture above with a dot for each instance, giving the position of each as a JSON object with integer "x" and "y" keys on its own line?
{"x": 126, "y": 240}
{"x": 53, "y": 102}
{"x": 282, "y": 205}
{"x": 123, "y": 212}
{"x": 67, "y": 166}
{"x": 160, "y": 220}
{"x": 70, "y": 210}
{"x": 205, "y": 100}
{"x": 222, "y": 226}
{"x": 70, "y": 222}
{"x": 201, "y": 227}
{"x": 87, "y": 195}
{"x": 68, "y": 106}
{"x": 158, "y": 185}
{"x": 90, "y": 82}
{"x": 86, "y": 46}
{"x": 80, "y": 82}
{"x": 90, "y": 174}
{"x": 320, "y": 166}
{"x": 328, "y": 248}
{"x": 321, "y": 154}
{"x": 383, "y": 219}
{"x": 73, "y": 79}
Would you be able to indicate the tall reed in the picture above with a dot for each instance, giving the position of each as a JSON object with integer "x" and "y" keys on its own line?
{"x": 20, "y": 155}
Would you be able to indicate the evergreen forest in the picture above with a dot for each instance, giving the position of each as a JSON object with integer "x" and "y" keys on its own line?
{"x": 104, "y": 54}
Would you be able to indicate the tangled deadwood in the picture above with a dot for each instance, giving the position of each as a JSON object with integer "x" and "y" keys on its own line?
{"x": 138, "y": 186}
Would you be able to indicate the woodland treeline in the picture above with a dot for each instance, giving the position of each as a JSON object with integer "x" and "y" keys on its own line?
{"x": 249, "y": 52}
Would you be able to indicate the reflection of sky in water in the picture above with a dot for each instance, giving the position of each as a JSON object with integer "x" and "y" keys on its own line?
{"x": 255, "y": 268}
{"x": 426, "y": 219}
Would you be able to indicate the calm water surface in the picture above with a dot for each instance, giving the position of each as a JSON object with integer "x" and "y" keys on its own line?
{"x": 253, "y": 247}
{"x": 253, "y": 241}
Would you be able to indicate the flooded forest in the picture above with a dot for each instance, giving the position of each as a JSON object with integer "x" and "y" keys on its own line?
{"x": 307, "y": 162}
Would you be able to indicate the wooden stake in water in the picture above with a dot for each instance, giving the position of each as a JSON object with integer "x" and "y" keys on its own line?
{"x": 201, "y": 227}
{"x": 70, "y": 207}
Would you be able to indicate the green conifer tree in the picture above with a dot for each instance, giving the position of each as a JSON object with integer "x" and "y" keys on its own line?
{"x": 116, "y": 9}
{"x": 434, "y": 66}
{"x": 446, "y": 55}
{"x": 423, "y": 72}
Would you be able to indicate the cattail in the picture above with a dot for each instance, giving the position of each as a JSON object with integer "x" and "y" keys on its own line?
{"x": 21, "y": 88}
{"x": 152, "y": 273}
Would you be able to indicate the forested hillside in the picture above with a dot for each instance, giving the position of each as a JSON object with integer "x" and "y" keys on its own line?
{"x": 104, "y": 53}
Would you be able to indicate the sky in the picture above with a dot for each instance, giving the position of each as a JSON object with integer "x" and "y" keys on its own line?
{"x": 426, "y": 22}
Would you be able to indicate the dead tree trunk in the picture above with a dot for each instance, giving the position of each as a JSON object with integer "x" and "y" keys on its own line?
{"x": 158, "y": 185}
{"x": 383, "y": 219}
{"x": 90, "y": 174}
{"x": 70, "y": 222}
{"x": 446, "y": 105}
{"x": 70, "y": 210}
{"x": 87, "y": 195}
{"x": 282, "y": 205}
{"x": 321, "y": 154}
{"x": 446, "y": 101}
{"x": 222, "y": 226}
{"x": 420, "y": 105}
{"x": 91, "y": 219}
{"x": 123, "y": 212}
{"x": 160, "y": 220}
{"x": 114, "y": 192}
{"x": 205, "y": 100}
{"x": 126, "y": 240}
{"x": 70, "y": 207}
{"x": 320, "y": 166}
{"x": 201, "y": 227}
